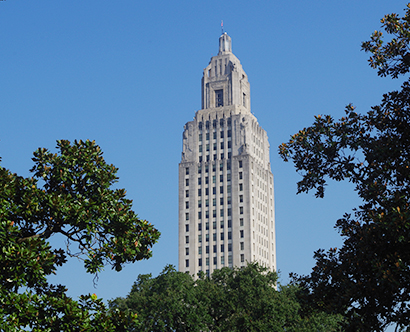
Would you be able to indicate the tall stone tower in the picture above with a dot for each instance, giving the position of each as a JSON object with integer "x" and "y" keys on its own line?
{"x": 226, "y": 197}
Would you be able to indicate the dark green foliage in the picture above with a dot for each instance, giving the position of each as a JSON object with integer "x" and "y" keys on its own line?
{"x": 230, "y": 300}
{"x": 367, "y": 279}
{"x": 74, "y": 200}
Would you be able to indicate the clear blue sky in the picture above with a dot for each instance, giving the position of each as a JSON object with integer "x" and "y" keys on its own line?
{"x": 127, "y": 74}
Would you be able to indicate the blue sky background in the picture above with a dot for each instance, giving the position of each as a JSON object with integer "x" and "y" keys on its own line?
{"x": 127, "y": 74}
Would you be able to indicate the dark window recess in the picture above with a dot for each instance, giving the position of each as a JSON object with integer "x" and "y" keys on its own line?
{"x": 219, "y": 98}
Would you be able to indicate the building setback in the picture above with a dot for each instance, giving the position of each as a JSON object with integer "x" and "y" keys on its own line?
{"x": 226, "y": 196}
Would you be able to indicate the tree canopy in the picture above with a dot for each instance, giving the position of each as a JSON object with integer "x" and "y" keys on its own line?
{"x": 238, "y": 299}
{"x": 367, "y": 279}
{"x": 69, "y": 194}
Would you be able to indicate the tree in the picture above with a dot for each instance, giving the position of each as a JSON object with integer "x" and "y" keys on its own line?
{"x": 167, "y": 302}
{"x": 238, "y": 299}
{"x": 367, "y": 279}
{"x": 69, "y": 194}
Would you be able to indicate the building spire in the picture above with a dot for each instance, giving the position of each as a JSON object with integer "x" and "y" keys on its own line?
{"x": 222, "y": 27}
{"x": 225, "y": 43}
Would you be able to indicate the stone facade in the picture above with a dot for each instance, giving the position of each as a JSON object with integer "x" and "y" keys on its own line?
{"x": 226, "y": 195}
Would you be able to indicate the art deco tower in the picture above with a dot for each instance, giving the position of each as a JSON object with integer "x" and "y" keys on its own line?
{"x": 226, "y": 197}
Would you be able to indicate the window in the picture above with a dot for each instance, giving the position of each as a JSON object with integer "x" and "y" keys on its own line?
{"x": 207, "y": 202}
{"x": 199, "y": 169}
{"x": 187, "y": 182}
{"x": 213, "y": 168}
{"x": 214, "y": 213}
{"x": 222, "y": 224}
{"x": 221, "y": 201}
{"x": 186, "y": 216}
{"x": 229, "y": 155}
{"x": 207, "y": 261}
{"x": 200, "y": 135}
{"x": 200, "y": 261}
{"x": 240, "y": 198}
{"x": 242, "y": 246}
{"x": 222, "y": 247}
{"x": 186, "y": 239}
{"x": 240, "y": 163}
{"x": 186, "y": 193}
{"x": 222, "y": 145}
{"x": 229, "y": 223}
{"x": 244, "y": 100}
{"x": 186, "y": 205}
{"x": 222, "y": 156}
{"x": 199, "y": 203}
{"x": 207, "y": 147}
{"x": 207, "y": 250}
{"x": 241, "y": 234}
{"x": 242, "y": 258}
{"x": 206, "y": 168}
{"x": 241, "y": 210}
{"x": 206, "y": 214}
{"x": 213, "y": 179}
{"x": 200, "y": 159}
{"x": 186, "y": 251}
{"x": 200, "y": 250}
{"x": 200, "y": 148}
{"x": 222, "y": 260}
{"x": 214, "y": 237}
{"x": 221, "y": 212}
{"x": 219, "y": 99}
{"x": 214, "y": 248}
{"x": 228, "y": 165}
{"x": 221, "y": 189}
{"x": 199, "y": 238}
{"x": 228, "y": 189}
{"x": 240, "y": 187}
{"x": 222, "y": 134}
{"x": 207, "y": 237}
{"x": 207, "y": 226}
{"x": 214, "y": 260}
{"x": 229, "y": 199}
{"x": 229, "y": 212}
{"x": 221, "y": 178}
{"x": 187, "y": 171}
{"x": 207, "y": 136}
{"x": 240, "y": 175}
{"x": 229, "y": 144}
{"x": 199, "y": 181}
{"x": 214, "y": 225}
{"x": 214, "y": 146}
{"x": 229, "y": 246}
{"x": 230, "y": 260}
{"x": 221, "y": 166}
{"x": 214, "y": 190}
{"x": 206, "y": 191}
{"x": 229, "y": 235}
{"x": 199, "y": 227}
{"x": 214, "y": 202}
{"x": 229, "y": 133}
{"x": 214, "y": 134}
{"x": 241, "y": 222}
{"x": 222, "y": 236}
{"x": 186, "y": 228}
{"x": 187, "y": 263}
{"x": 199, "y": 192}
